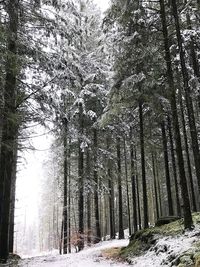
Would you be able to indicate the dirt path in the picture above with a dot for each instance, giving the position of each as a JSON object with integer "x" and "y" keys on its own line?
{"x": 90, "y": 257}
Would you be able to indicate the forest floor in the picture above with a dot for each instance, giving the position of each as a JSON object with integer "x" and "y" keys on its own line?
{"x": 168, "y": 246}
{"x": 106, "y": 254}
{"x": 89, "y": 257}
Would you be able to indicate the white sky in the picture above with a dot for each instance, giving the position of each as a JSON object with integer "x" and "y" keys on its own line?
{"x": 29, "y": 176}
{"x": 103, "y": 4}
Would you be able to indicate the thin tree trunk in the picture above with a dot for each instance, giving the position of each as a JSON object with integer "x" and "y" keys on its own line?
{"x": 138, "y": 193}
{"x": 127, "y": 187}
{"x": 167, "y": 173}
{"x": 133, "y": 183}
{"x": 65, "y": 192}
{"x": 89, "y": 230}
{"x": 193, "y": 55}
{"x": 81, "y": 182}
{"x": 120, "y": 204}
{"x": 96, "y": 191}
{"x": 69, "y": 196}
{"x": 178, "y": 206}
{"x": 187, "y": 153}
{"x": 111, "y": 194}
{"x": 144, "y": 184}
{"x": 12, "y": 205}
{"x": 158, "y": 185}
{"x": 1, "y": 110}
{"x": 155, "y": 186}
{"x": 61, "y": 238}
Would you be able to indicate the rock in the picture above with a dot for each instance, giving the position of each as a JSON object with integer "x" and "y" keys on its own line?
{"x": 197, "y": 259}
{"x": 186, "y": 260}
{"x": 14, "y": 257}
{"x": 166, "y": 220}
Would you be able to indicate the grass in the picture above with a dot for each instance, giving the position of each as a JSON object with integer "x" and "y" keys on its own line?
{"x": 111, "y": 253}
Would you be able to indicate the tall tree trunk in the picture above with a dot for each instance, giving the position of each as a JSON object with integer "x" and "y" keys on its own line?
{"x": 158, "y": 184}
{"x": 133, "y": 183}
{"x": 138, "y": 193}
{"x": 183, "y": 182}
{"x": 144, "y": 184}
{"x": 119, "y": 173}
{"x": 155, "y": 186}
{"x": 193, "y": 55}
{"x": 111, "y": 194}
{"x": 9, "y": 129}
{"x": 69, "y": 196}
{"x": 1, "y": 109}
{"x": 12, "y": 205}
{"x": 65, "y": 192}
{"x": 187, "y": 153}
{"x": 178, "y": 206}
{"x": 81, "y": 182}
{"x": 89, "y": 230}
{"x": 127, "y": 188}
{"x": 167, "y": 173}
{"x": 188, "y": 97}
{"x": 61, "y": 238}
{"x": 96, "y": 191}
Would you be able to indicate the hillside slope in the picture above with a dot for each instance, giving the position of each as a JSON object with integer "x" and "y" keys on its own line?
{"x": 167, "y": 245}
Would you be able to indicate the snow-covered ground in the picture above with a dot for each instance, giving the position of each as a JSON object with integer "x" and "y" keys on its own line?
{"x": 161, "y": 254}
{"x": 166, "y": 250}
{"x": 90, "y": 257}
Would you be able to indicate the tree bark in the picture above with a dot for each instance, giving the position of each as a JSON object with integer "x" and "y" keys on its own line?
{"x": 178, "y": 206}
{"x": 69, "y": 196}
{"x": 158, "y": 184}
{"x": 127, "y": 188}
{"x": 167, "y": 173}
{"x": 187, "y": 153}
{"x": 96, "y": 191}
{"x": 120, "y": 204}
{"x": 89, "y": 230}
{"x": 12, "y": 205}
{"x": 193, "y": 55}
{"x": 138, "y": 193}
{"x": 9, "y": 129}
{"x": 65, "y": 192}
{"x": 81, "y": 182}
{"x": 111, "y": 194}
{"x": 155, "y": 186}
{"x": 144, "y": 184}
{"x": 133, "y": 183}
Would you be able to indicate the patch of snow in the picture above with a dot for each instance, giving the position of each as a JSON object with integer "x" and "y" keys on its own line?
{"x": 90, "y": 257}
{"x": 166, "y": 249}
{"x": 162, "y": 253}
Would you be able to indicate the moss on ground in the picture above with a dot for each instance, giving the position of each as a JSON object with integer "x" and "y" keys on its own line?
{"x": 145, "y": 239}
{"x": 111, "y": 253}
{"x": 13, "y": 260}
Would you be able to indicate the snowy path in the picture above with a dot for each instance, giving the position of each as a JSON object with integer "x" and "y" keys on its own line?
{"x": 90, "y": 257}
{"x": 161, "y": 254}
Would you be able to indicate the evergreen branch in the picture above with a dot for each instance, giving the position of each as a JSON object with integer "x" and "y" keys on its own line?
{"x": 34, "y": 92}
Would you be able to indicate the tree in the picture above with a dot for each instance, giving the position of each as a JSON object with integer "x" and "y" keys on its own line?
{"x": 183, "y": 181}
{"x": 9, "y": 129}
